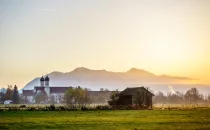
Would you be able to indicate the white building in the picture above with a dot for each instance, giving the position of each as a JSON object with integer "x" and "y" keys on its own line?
{"x": 54, "y": 92}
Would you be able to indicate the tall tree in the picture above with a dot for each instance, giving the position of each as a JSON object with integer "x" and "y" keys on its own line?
{"x": 15, "y": 95}
{"x": 8, "y": 95}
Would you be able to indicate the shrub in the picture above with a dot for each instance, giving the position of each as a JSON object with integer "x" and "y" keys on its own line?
{"x": 23, "y": 106}
{"x": 62, "y": 108}
{"x": 52, "y": 107}
{"x": 102, "y": 107}
{"x": 84, "y": 108}
{"x": 31, "y": 109}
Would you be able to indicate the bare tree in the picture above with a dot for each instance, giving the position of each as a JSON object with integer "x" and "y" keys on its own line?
{"x": 193, "y": 95}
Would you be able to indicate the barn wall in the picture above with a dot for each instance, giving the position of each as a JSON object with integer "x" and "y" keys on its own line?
{"x": 125, "y": 100}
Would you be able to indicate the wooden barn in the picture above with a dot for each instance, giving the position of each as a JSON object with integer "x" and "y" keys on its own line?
{"x": 136, "y": 96}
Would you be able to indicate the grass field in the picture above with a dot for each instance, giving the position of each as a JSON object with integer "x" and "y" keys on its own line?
{"x": 111, "y": 119}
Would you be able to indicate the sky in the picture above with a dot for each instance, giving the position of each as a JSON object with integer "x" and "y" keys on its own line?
{"x": 161, "y": 36}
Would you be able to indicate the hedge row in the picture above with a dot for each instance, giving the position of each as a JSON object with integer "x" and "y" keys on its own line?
{"x": 70, "y": 108}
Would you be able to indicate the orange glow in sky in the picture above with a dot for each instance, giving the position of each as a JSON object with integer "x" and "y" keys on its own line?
{"x": 161, "y": 36}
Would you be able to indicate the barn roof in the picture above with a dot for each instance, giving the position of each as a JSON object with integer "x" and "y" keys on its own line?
{"x": 131, "y": 91}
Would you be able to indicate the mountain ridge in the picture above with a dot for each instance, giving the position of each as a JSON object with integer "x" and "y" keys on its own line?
{"x": 98, "y": 78}
{"x": 134, "y": 71}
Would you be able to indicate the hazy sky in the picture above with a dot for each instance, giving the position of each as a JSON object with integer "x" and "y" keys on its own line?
{"x": 162, "y": 36}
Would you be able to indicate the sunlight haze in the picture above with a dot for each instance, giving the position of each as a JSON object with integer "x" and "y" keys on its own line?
{"x": 161, "y": 36}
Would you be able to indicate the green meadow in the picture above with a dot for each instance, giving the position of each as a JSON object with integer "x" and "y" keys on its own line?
{"x": 106, "y": 119}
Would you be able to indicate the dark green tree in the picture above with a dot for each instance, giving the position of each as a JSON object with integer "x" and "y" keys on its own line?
{"x": 15, "y": 95}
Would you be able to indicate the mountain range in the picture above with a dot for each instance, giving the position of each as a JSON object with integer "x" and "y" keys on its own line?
{"x": 96, "y": 79}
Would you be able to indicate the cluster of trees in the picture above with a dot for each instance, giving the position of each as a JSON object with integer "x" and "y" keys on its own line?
{"x": 77, "y": 97}
{"x": 10, "y": 94}
{"x": 191, "y": 96}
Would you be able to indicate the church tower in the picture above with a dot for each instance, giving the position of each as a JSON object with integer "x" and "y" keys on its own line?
{"x": 47, "y": 88}
{"x": 42, "y": 81}
{"x": 47, "y": 80}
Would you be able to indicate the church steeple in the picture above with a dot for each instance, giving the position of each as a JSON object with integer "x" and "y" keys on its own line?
{"x": 47, "y": 79}
{"x": 42, "y": 81}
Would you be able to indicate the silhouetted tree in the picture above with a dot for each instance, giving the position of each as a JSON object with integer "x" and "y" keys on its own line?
{"x": 114, "y": 96}
{"x": 8, "y": 95}
{"x": 15, "y": 95}
{"x": 193, "y": 95}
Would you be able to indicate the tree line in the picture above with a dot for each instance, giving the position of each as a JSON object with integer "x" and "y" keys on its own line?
{"x": 80, "y": 96}
{"x": 10, "y": 94}
{"x": 191, "y": 96}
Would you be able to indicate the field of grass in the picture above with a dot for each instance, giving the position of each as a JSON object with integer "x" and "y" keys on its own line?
{"x": 106, "y": 119}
